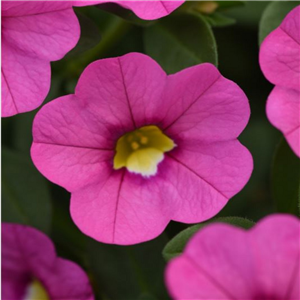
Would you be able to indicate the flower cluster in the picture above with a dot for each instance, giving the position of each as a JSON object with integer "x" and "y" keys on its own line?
{"x": 137, "y": 148}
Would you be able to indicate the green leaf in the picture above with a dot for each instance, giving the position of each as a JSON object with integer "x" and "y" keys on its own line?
{"x": 89, "y": 37}
{"x": 273, "y": 16}
{"x": 124, "y": 13}
{"x": 128, "y": 273}
{"x": 225, "y": 5}
{"x": 180, "y": 41}
{"x": 25, "y": 194}
{"x": 176, "y": 246}
{"x": 219, "y": 20}
{"x": 285, "y": 181}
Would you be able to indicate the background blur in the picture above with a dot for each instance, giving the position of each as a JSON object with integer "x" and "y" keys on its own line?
{"x": 224, "y": 33}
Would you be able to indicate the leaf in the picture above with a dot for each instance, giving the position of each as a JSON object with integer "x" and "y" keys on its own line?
{"x": 219, "y": 20}
{"x": 285, "y": 182}
{"x": 225, "y": 5}
{"x": 180, "y": 41}
{"x": 89, "y": 37}
{"x": 124, "y": 13}
{"x": 25, "y": 194}
{"x": 273, "y": 16}
{"x": 176, "y": 246}
{"x": 128, "y": 273}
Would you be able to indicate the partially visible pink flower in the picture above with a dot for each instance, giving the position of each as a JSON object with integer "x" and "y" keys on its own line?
{"x": 226, "y": 262}
{"x": 137, "y": 148}
{"x": 280, "y": 63}
{"x": 31, "y": 270}
{"x": 34, "y": 33}
{"x": 145, "y": 9}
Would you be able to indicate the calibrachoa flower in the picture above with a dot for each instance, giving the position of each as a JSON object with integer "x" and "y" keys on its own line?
{"x": 31, "y": 270}
{"x": 280, "y": 63}
{"x": 144, "y": 9}
{"x": 137, "y": 148}
{"x": 34, "y": 33}
{"x": 226, "y": 262}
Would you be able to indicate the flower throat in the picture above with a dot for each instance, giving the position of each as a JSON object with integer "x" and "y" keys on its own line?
{"x": 141, "y": 150}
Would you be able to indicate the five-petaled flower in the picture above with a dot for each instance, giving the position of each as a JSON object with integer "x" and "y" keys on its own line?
{"x": 31, "y": 270}
{"x": 34, "y": 33}
{"x": 225, "y": 262}
{"x": 280, "y": 63}
{"x": 137, "y": 148}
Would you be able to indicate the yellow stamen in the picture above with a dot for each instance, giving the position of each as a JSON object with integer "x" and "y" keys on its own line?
{"x": 141, "y": 151}
{"x": 36, "y": 291}
{"x": 144, "y": 140}
{"x": 135, "y": 145}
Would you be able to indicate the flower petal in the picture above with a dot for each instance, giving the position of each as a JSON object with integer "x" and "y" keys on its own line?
{"x": 28, "y": 254}
{"x": 123, "y": 209}
{"x": 276, "y": 249}
{"x": 68, "y": 281}
{"x": 280, "y": 53}
{"x": 33, "y": 34}
{"x": 24, "y": 250}
{"x": 220, "y": 259}
{"x": 204, "y": 106}
{"x": 147, "y": 10}
{"x": 203, "y": 177}
{"x": 47, "y": 35}
{"x": 22, "y": 8}
{"x": 25, "y": 81}
{"x": 283, "y": 111}
{"x": 128, "y": 87}
{"x": 229, "y": 263}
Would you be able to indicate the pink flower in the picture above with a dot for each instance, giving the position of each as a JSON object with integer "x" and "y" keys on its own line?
{"x": 31, "y": 270}
{"x": 280, "y": 63}
{"x": 226, "y": 262}
{"x": 34, "y": 33}
{"x": 137, "y": 148}
{"x": 144, "y": 9}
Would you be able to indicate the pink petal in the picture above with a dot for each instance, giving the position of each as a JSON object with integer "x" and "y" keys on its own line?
{"x": 68, "y": 143}
{"x": 19, "y": 242}
{"x": 47, "y": 35}
{"x": 32, "y": 7}
{"x": 283, "y": 111}
{"x": 129, "y": 88}
{"x": 208, "y": 175}
{"x": 25, "y": 81}
{"x": 28, "y": 254}
{"x": 125, "y": 209}
{"x": 147, "y": 10}
{"x": 189, "y": 289}
{"x": 219, "y": 256}
{"x": 275, "y": 249}
{"x": 204, "y": 106}
{"x": 32, "y": 36}
{"x": 68, "y": 281}
{"x": 280, "y": 53}
{"x": 224, "y": 262}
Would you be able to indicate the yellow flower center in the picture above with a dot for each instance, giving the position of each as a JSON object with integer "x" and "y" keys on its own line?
{"x": 36, "y": 291}
{"x": 141, "y": 151}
